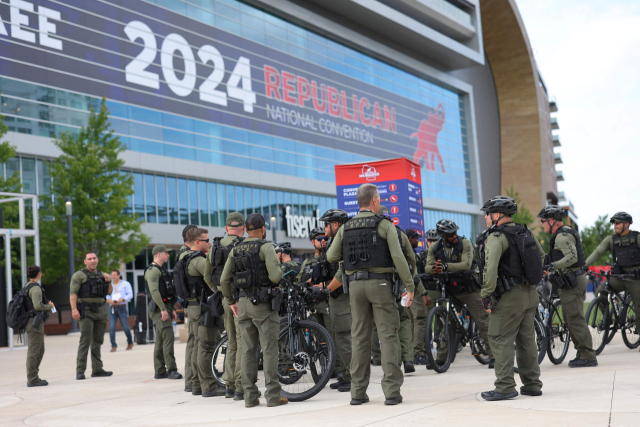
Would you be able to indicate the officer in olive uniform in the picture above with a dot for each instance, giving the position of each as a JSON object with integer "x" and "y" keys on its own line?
{"x": 37, "y": 305}
{"x": 283, "y": 251}
{"x": 216, "y": 259}
{"x": 163, "y": 295}
{"x": 205, "y": 335}
{"x": 625, "y": 247}
{"x": 418, "y": 310}
{"x": 511, "y": 317}
{"x": 339, "y": 305}
{"x": 370, "y": 248}
{"x": 565, "y": 263}
{"x": 187, "y": 354}
{"x": 88, "y": 290}
{"x": 452, "y": 253}
{"x": 243, "y": 289}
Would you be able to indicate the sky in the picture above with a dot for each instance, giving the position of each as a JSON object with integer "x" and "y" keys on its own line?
{"x": 588, "y": 53}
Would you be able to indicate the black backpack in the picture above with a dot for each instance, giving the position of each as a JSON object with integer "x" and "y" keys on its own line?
{"x": 180, "y": 281}
{"x": 219, "y": 255}
{"x": 17, "y": 314}
{"x": 523, "y": 239}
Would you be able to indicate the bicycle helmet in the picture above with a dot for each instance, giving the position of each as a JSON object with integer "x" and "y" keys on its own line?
{"x": 432, "y": 234}
{"x": 552, "y": 212}
{"x": 446, "y": 226}
{"x": 316, "y": 232}
{"x": 335, "y": 215}
{"x": 502, "y": 204}
{"x": 284, "y": 247}
{"x": 621, "y": 216}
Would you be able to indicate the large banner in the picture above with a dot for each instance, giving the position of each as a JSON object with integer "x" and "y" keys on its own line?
{"x": 400, "y": 186}
{"x": 143, "y": 54}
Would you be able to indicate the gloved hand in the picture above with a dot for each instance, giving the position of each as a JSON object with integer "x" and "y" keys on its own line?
{"x": 486, "y": 303}
{"x": 550, "y": 267}
{"x": 319, "y": 294}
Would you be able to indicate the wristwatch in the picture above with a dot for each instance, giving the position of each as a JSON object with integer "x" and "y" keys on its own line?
{"x": 328, "y": 292}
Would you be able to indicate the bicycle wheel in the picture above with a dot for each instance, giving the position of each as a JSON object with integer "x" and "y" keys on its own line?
{"x": 613, "y": 324}
{"x": 438, "y": 335}
{"x": 478, "y": 346}
{"x": 630, "y": 334}
{"x": 541, "y": 338}
{"x": 306, "y": 361}
{"x": 598, "y": 322}
{"x": 558, "y": 335}
{"x": 219, "y": 359}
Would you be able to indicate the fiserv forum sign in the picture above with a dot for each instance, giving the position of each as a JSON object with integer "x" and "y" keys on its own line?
{"x": 139, "y": 53}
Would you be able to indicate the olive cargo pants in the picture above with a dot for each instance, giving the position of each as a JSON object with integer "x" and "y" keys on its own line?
{"x": 163, "y": 357}
{"x": 92, "y": 329}
{"x": 373, "y": 299}
{"x": 259, "y": 325}
{"x": 418, "y": 313}
{"x": 323, "y": 316}
{"x": 572, "y": 301}
{"x": 341, "y": 320}
{"x": 35, "y": 351}
{"x": 405, "y": 341}
{"x": 511, "y": 321}
{"x": 633, "y": 288}
{"x": 232, "y": 373}
{"x": 191, "y": 338}
{"x": 204, "y": 342}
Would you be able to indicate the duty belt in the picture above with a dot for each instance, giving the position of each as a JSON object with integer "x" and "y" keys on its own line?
{"x": 91, "y": 305}
{"x": 367, "y": 275}
{"x": 246, "y": 294}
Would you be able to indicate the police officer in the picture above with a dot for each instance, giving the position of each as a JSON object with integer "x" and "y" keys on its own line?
{"x": 204, "y": 335}
{"x": 38, "y": 306}
{"x": 163, "y": 295}
{"x": 187, "y": 354}
{"x": 419, "y": 310}
{"x": 339, "y": 305}
{"x": 216, "y": 259}
{"x": 252, "y": 267}
{"x": 566, "y": 258}
{"x": 87, "y": 295}
{"x": 283, "y": 250}
{"x": 511, "y": 317}
{"x": 369, "y": 246}
{"x": 453, "y": 253}
{"x": 625, "y": 247}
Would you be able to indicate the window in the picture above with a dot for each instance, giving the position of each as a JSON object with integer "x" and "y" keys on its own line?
{"x": 193, "y": 202}
{"x": 172, "y": 191}
{"x": 138, "y": 196}
{"x": 161, "y": 192}
{"x": 248, "y": 200}
{"x": 222, "y": 204}
{"x": 240, "y": 200}
{"x": 183, "y": 198}
{"x": 150, "y": 198}
{"x": 29, "y": 176}
{"x": 213, "y": 204}
{"x": 204, "y": 204}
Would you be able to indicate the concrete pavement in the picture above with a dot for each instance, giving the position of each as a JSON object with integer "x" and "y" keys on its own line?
{"x": 608, "y": 395}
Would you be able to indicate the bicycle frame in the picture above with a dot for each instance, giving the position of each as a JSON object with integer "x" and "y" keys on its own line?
{"x": 614, "y": 299}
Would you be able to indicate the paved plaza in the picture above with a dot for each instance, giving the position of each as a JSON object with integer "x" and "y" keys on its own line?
{"x": 608, "y": 395}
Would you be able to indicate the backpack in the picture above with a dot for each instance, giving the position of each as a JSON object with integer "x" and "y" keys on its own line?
{"x": 523, "y": 240}
{"x": 219, "y": 255}
{"x": 180, "y": 280}
{"x": 17, "y": 314}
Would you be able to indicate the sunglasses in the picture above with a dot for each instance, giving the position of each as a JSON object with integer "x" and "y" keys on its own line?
{"x": 618, "y": 222}
{"x": 202, "y": 240}
{"x": 320, "y": 239}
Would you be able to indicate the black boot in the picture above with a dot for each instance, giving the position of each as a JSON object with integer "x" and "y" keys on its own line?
{"x": 494, "y": 395}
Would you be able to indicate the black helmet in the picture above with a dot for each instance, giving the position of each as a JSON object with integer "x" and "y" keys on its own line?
{"x": 621, "y": 216}
{"x": 335, "y": 215}
{"x": 502, "y": 204}
{"x": 446, "y": 226}
{"x": 283, "y": 247}
{"x": 316, "y": 232}
{"x": 432, "y": 234}
{"x": 552, "y": 212}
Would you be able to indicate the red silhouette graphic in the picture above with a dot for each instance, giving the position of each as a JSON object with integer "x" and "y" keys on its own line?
{"x": 427, "y": 136}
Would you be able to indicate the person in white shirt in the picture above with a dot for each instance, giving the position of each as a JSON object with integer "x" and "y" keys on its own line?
{"x": 118, "y": 301}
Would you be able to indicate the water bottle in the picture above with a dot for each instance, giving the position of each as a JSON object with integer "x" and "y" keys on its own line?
{"x": 174, "y": 325}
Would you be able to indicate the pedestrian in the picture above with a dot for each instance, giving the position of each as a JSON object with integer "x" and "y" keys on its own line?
{"x": 118, "y": 300}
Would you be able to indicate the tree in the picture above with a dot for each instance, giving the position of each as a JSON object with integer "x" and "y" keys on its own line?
{"x": 88, "y": 172}
{"x": 592, "y": 236}
{"x": 523, "y": 216}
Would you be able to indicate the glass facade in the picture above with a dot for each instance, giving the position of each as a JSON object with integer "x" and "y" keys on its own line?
{"x": 468, "y": 223}
{"x": 162, "y": 199}
{"x": 46, "y": 111}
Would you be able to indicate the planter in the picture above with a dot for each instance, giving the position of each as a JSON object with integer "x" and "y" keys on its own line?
{"x": 57, "y": 329}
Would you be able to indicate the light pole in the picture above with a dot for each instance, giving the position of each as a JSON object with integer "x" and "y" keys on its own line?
{"x": 72, "y": 267}
{"x": 273, "y": 229}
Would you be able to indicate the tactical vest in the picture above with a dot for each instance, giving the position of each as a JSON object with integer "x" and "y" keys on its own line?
{"x": 249, "y": 271}
{"x": 510, "y": 265}
{"x": 292, "y": 265}
{"x": 362, "y": 246}
{"x": 556, "y": 254}
{"x": 219, "y": 255}
{"x": 464, "y": 282}
{"x": 307, "y": 270}
{"x": 95, "y": 286}
{"x": 196, "y": 284}
{"x": 29, "y": 303}
{"x": 165, "y": 284}
{"x": 626, "y": 254}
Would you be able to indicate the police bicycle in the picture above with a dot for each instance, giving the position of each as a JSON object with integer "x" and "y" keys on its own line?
{"x": 307, "y": 354}
{"x": 550, "y": 316}
{"x": 611, "y": 312}
{"x": 447, "y": 326}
